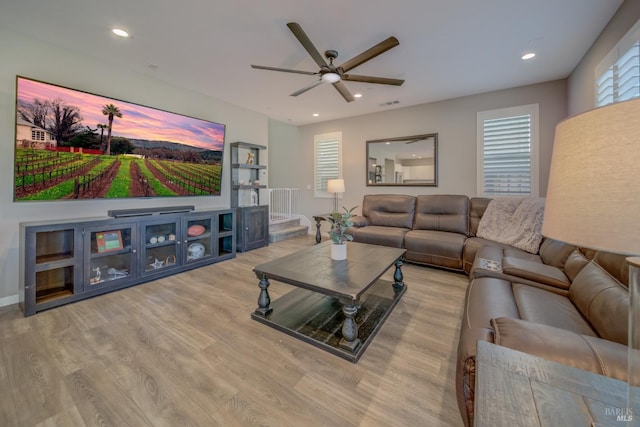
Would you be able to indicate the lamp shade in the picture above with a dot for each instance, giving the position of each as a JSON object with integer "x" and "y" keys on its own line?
{"x": 593, "y": 197}
{"x": 335, "y": 186}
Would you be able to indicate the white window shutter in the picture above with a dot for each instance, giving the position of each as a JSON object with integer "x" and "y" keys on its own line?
{"x": 617, "y": 76}
{"x": 328, "y": 163}
{"x": 507, "y": 152}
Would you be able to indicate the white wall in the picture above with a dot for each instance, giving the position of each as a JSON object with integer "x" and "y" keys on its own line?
{"x": 581, "y": 82}
{"x": 30, "y": 58}
{"x": 291, "y": 150}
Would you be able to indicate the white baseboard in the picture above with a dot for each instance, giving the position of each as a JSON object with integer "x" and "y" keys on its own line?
{"x": 13, "y": 299}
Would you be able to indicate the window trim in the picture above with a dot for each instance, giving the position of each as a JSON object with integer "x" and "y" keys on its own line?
{"x": 330, "y": 136}
{"x": 533, "y": 111}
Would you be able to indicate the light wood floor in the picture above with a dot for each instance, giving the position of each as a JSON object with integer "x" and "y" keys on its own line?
{"x": 184, "y": 351}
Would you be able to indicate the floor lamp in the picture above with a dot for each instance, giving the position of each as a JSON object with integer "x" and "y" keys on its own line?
{"x": 593, "y": 199}
{"x": 335, "y": 186}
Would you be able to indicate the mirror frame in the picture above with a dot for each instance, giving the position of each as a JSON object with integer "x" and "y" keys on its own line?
{"x": 404, "y": 139}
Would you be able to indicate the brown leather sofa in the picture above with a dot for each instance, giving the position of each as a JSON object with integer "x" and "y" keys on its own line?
{"x": 433, "y": 228}
{"x": 566, "y": 304}
{"x": 583, "y": 324}
{"x": 438, "y": 230}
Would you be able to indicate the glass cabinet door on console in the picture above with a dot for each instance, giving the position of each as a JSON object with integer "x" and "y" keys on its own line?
{"x": 111, "y": 253}
{"x": 198, "y": 240}
{"x": 160, "y": 246}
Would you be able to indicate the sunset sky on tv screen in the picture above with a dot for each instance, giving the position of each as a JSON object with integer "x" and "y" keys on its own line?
{"x": 137, "y": 121}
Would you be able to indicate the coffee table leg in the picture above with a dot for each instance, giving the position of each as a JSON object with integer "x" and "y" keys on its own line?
{"x": 350, "y": 340}
{"x": 398, "y": 278}
{"x": 264, "y": 301}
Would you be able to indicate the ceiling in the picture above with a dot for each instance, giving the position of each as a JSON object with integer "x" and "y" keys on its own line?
{"x": 447, "y": 48}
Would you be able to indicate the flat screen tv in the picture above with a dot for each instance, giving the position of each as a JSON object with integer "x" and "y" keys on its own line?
{"x": 73, "y": 145}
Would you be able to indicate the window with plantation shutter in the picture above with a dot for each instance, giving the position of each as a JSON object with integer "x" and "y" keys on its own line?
{"x": 328, "y": 161}
{"x": 508, "y": 152}
{"x": 618, "y": 75}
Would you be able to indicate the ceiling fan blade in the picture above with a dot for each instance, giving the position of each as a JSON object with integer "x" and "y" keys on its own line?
{"x": 286, "y": 70}
{"x": 371, "y": 53}
{"x": 340, "y": 87}
{"x": 371, "y": 79}
{"x": 297, "y": 31}
{"x": 306, "y": 88}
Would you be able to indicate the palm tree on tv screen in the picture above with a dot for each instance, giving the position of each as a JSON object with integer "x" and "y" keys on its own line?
{"x": 111, "y": 111}
{"x": 102, "y": 127}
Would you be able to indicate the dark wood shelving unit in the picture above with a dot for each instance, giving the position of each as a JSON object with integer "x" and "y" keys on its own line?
{"x": 252, "y": 217}
{"x": 61, "y": 263}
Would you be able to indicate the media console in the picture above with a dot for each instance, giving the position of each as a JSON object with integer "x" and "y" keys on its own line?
{"x": 67, "y": 261}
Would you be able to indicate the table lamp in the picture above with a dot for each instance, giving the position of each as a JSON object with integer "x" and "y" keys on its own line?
{"x": 335, "y": 186}
{"x": 593, "y": 198}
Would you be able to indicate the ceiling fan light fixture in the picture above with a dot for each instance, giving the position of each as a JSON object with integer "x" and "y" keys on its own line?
{"x": 120, "y": 32}
{"x": 331, "y": 77}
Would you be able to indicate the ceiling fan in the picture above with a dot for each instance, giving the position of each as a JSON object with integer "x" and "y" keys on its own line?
{"x": 333, "y": 74}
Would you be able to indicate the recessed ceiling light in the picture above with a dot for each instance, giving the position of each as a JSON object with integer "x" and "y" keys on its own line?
{"x": 315, "y": 114}
{"x": 528, "y": 55}
{"x": 119, "y": 32}
{"x": 357, "y": 95}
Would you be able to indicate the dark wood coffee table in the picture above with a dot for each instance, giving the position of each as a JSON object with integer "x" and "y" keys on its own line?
{"x": 337, "y": 306}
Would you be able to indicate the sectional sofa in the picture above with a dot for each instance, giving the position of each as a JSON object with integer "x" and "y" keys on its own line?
{"x": 437, "y": 230}
{"x": 562, "y": 303}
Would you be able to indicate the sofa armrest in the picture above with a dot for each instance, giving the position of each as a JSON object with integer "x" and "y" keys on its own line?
{"x": 536, "y": 272}
{"x": 360, "y": 221}
{"x": 560, "y": 345}
{"x": 487, "y": 263}
{"x": 466, "y": 370}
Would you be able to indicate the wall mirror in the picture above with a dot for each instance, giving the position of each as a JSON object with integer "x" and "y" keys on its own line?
{"x": 403, "y": 161}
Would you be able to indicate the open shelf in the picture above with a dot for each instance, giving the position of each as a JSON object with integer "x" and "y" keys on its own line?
{"x": 54, "y": 283}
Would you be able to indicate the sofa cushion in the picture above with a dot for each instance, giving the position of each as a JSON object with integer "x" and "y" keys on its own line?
{"x": 442, "y": 213}
{"x": 477, "y": 206}
{"x": 473, "y": 244}
{"x": 390, "y": 210}
{"x": 555, "y": 253}
{"x": 435, "y": 247}
{"x": 535, "y": 271}
{"x": 380, "y": 235}
{"x": 575, "y": 262}
{"x": 603, "y": 301}
{"x": 488, "y": 298}
{"x": 562, "y": 346}
{"x": 615, "y": 264}
{"x": 360, "y": 221}
{"x": 547, "y": 308}
{"x": 525, "y": 268}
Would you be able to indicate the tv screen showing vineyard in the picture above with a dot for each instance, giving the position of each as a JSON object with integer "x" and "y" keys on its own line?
{"x": 75, "y": 145}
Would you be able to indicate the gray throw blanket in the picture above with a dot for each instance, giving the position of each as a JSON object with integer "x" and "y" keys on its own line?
{"x": 514, "y": 221}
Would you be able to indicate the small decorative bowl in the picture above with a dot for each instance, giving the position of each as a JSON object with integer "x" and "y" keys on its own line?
{"x": 195, "y": 230}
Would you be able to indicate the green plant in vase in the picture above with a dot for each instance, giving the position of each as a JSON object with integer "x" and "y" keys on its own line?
{"x": 340, "y": 223}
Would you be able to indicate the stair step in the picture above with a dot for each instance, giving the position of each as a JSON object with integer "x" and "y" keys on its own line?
{"x": 287, "y": 233}
{"x": 283, "y": 225}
